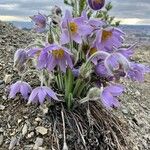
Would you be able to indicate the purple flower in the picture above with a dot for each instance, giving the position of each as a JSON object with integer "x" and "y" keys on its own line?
{"x": 77, "y": 28}
{"x": 20, "y": 87}
{"x": 137, "y": 71}
{"x": 20, "y": 59}
{"x": 116, "y": 62}
{"x": 39, "y": 94}
{"x": 108, "y": 38}
{"x": 55, "y": 55}
{"x": 96, "y": 4}
{"x": 109, "y": 95}
{"x": 40, "y": 22}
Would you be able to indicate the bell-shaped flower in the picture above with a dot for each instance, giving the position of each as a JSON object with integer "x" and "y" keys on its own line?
{"x": 20, "y": 87}
{"x": 40, "y": 94}
{"x": 96, "y": 4}
{"x": 108, "y": 38}
{"x": 55, "y": 55}
{"x": 137, "y": 72}
{"x": 74, "y": 29}
{"x": 40, "y": 22}
{"x": 116, "y": 62}
{"x": 20, "y": 59}
{"x": 109, "y": 95}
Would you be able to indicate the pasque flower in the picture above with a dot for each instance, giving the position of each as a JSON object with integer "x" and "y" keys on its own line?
{"x": 54, "y": 55}
{"x": 20, "y": 59}
{"x": 39, "y": 94}
{"x": 40, "y": 22}
{"x": 20, "y": 87}
{"x": 96, "y": 4}
{"x": 108, "y": 38}
{"x": 109, "y": 95}
{"x": 137, "y": 71}
{"x": 116, "y": 62}
{"x": 74, "y": 28}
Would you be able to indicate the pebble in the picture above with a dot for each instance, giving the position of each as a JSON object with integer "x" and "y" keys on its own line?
{"x": 30, "y": 135}
{"x": 41, "y": 130}
{"x": 7, "y": 78}
{"x": 2, "y": 107}
{"x": 13, "y": 142}
{"x": 137, "y": 93}
{"x": 24, "y": 130}
{"x": 125, "y": 111}
{"x": 38, "y": 143}
{"x": 1, "y": 139}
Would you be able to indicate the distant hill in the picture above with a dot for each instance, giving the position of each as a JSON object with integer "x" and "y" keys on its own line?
{"x": 22, "y": 25}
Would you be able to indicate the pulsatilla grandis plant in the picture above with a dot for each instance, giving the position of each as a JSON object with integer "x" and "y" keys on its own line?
{"x": 83, "y": 58}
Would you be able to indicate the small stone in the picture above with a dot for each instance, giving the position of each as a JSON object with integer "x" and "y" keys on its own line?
{"x": 38, "y": 119}
{"x": 4, "y": 97}
{"x": 137, "y": 93}
{"x": 1, "y": 139}
{"x": 125, "y": 111}
{"x": 2, "y": 107}
{"x": 41, "y": 130}
{"x": 38, "y": 143}
{"x": 1, "y": 130}
{"x": 30, "y": 135}
{"x": 19, "y": 120}
{"x": 13, "y": 142}
{"x": 24, "y": 130}
{"x": 7, "y": 78}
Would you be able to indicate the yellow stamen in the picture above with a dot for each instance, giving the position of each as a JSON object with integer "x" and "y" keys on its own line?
{"x": 92, "y": 51}
{"x": 73, "y": 27}
{"x": 59, "y": 53}
{"x": 106, "y": 35}
{"x": 97, "y": 1}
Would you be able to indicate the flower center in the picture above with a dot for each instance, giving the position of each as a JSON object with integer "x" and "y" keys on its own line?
{"x": 106, "y": 35}
{"x": 92, "y": 51}
{"x": 59, "y": 53}
{"x": 97, "y": 1}
{"x": 73, "y": 27}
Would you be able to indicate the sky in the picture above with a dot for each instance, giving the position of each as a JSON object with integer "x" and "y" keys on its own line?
{"x": 134, "y": 12}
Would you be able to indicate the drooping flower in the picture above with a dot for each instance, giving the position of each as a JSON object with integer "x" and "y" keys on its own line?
{"x": 54, "y": 55}
{"x": 74, "y": 28}
{"x": 96, "y": 4}
{"x": 39, "y": 94}
{"x": 20, "y": 59}
{"x": 115, "y": 63}
{"x": 109, "y": 95}
{"x": 137, "y": 72}
{"x": 20, "y": 87}
{"x": 40, "y": 22}
{"x": 108, "y": 38}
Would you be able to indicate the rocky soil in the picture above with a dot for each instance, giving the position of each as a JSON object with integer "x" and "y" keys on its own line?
{"x": 27, "y": 127}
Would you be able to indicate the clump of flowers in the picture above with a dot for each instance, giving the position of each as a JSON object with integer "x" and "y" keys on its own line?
{"x": 82, "y": 60}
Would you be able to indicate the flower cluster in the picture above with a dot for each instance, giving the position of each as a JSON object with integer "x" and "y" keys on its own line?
{"x": 84, "y": 53}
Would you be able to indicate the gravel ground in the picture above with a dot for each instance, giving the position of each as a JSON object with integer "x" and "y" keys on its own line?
{"x": 15, "y": 116}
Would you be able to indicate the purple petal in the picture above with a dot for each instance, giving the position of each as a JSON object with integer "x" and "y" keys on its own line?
{"x": 77, "y": 38}
{"x": 41, "y": 95}
{"x": 108, "y": 100}
{"x": 62, "y": 65}
{"x": 33, "y": 95}
{"x": 51, "y": 63}
{"x": 64, "y": 37}
{"x": 115, "y": 90}
{"x": 14, "y": 89}
{"x": 50, "y": 93}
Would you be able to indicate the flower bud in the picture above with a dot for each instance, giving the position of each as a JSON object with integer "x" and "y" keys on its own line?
{"x": 93, "y": 93}
{"x": 20, "y": 58}
{"x": 96, "y": 4}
